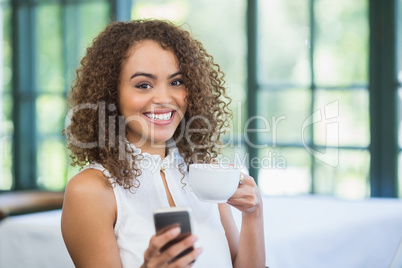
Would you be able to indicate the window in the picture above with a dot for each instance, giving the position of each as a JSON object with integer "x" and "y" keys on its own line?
{"x": 317, "y": 95}
{"x": 49, "y": 39}
{"x": 6, "y": 99}
{"x": 312, "y": 97}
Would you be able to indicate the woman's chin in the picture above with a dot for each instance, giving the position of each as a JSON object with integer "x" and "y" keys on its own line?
{"x": 161, "y": 138}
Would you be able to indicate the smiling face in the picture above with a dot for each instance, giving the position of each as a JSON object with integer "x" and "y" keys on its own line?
{"x": 152, "y": 96}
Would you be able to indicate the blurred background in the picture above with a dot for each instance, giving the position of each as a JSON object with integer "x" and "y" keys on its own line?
{"x": 316, "y": 87}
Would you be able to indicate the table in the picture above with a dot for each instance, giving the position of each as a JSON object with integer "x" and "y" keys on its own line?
{"x": 22, "y": 202}
{"x": 301, "y": 231}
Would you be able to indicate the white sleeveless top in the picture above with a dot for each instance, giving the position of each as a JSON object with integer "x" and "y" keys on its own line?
{"x": 134, "y": 225}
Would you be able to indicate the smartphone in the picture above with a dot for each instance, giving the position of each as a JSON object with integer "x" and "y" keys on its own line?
{"x": 167, "y": 218}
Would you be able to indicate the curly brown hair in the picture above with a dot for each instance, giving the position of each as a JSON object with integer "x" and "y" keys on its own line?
{"x": 95, "y": 91}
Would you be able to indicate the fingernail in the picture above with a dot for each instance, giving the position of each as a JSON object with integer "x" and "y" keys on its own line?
{"x": 193, "y": 239}
{"x": 175, "y": 231}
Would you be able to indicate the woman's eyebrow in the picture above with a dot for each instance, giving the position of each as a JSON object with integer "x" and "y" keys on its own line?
{"x": 143, "y": 74}
{"x": 153, "y": 76}
{"x": 175, "y": 74}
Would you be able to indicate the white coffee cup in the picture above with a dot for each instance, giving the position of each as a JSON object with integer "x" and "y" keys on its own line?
{"x": 214, "y": 182}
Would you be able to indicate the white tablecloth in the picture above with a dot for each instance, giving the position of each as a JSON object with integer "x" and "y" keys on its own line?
{"x": 33, "y": 240}
{"x": 299, "y": 232}
{"x": 320, "y": 232}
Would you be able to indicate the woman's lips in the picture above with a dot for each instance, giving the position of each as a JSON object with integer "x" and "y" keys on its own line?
{"x": 160, "y": 117}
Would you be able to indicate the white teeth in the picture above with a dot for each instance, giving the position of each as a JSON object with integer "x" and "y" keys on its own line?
{"x": 161, "y": 117}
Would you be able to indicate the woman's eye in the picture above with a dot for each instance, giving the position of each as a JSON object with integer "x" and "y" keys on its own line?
{"x": 177, "y": 83}
{"x": 143, "y": 86}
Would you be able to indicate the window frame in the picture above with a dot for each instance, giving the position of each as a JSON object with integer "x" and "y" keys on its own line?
{"x": 383, "y": 98}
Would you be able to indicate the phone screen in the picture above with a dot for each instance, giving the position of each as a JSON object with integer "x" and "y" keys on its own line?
{"x": 166, "y": 219}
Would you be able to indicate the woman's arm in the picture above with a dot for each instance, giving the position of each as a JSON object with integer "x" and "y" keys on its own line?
{"x": 248, "y": 248}
{"x": 88, "y": 218}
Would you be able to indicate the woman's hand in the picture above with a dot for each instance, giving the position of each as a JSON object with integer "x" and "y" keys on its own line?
{"x": 248, "y": 249}
{"x": 247, "y": 197}
{"x": 153, "y": 256}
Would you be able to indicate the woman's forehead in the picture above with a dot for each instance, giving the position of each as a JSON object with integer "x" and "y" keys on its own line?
{"x": 149, "y": 56}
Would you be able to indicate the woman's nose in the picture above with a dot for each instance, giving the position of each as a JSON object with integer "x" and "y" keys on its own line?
{"x": 162, "y": 95}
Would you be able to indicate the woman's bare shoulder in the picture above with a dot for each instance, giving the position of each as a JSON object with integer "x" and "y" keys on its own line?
{"x": 88, "y": 219}
{"x": 90, "y": 187}
{"x": 89, "y": 180}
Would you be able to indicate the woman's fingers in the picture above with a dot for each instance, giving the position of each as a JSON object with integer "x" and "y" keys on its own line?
{"x": 173, "y": 251}
{"x": 246, "y": 187}
{"x": 247, "y": 196}
{"x": 158, "y": 241}
{"x": 188, "y": 259}
{"x": 153, "y": 256}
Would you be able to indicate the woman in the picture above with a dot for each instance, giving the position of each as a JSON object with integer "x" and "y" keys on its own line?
{"x": 146, "y": 103}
